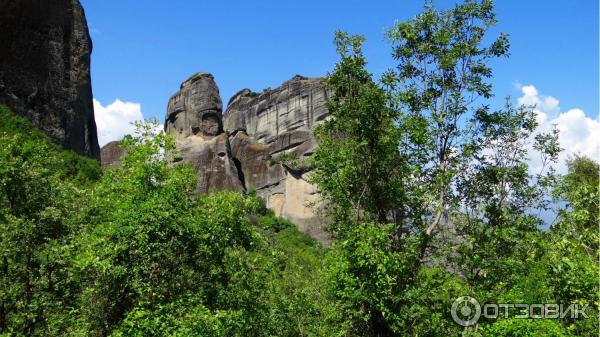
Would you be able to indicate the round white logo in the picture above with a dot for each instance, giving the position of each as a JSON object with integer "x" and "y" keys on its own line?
{"x": 466, "y": 311}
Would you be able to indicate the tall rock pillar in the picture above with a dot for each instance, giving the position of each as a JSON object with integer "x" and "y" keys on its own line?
{"x": 194, "y": 118}
{"x": 45, "y": 50}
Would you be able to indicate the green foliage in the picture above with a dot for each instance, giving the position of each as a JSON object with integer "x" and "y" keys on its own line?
{"x": 366, "y": 275}
{"x": 135, "y": 253}
{"x": 579, "y": 188}
{"x": 356, "y": 163}
{"x": 462, "y": 201}
{"x": 573, "y": 245}
{"x": 299, "y": 305}
{"x": 525, "y": 328}
{"x": 271, "y": 222}
{"x": 180, "y": 318}
{"x": 270, "y": 290}
{"x": 428, "y": 192}
{"x": 153, "y": 242}
{"x": 18, "y": 130}
{"x": 496, "y": 192}
{"x": 40, "y": 191}
{"x": 441, "y": 74}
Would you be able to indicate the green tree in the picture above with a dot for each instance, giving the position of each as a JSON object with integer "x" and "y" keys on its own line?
{"x": 496, "y": 227}
{"x": 461, "y": 196}
{"x": 442, "y": 73}
{"x": 366, "y": 274}
{"x": 358, "y": 170}
{"x": 150, "y": 240}
{"x": 573, "y": 254}
{"x": 356, "y": 163}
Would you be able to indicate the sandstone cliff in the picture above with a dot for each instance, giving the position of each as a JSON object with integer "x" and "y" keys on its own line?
{"x": 296, "y": 105}
{"x": 260, "y": 142}
{"x": 196, "y": 109}
{"x": 194, "y": 118}
{"x": 271, "y": 137}
{"x": 45, "y": 69}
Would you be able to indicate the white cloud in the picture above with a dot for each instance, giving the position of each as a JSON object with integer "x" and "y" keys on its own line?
{"x": 115, "y": 120}
{"x": 579, "y": 134}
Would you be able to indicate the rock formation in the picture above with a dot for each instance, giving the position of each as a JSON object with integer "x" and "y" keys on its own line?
{"x": 296, "y": 105}
{"x": 271, "y": 138}
{"x": 212, "y": 159}
{"x": 260, "y": 143}
{"x": 111, "y": 155}
{"x": 194, "y": 118}
{"x": 196, "y": 109}
{"x": 45, "y": 69}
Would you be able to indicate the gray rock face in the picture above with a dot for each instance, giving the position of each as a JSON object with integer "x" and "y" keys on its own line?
{"x": 261, "y": 142}
{"x": 194, "y": 118}
{"x": 271, "y": 138}
{"x": 283, "y": 186}
{"x": 196, "y": 109}
{"x": 111, "y": 155}
{"x": 45, "y": 70}
{"x": 213, "y": 162}
{"x": 296, "y": 105}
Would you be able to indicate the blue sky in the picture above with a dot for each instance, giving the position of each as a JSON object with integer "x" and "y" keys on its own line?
{"x": 143, "y": 50}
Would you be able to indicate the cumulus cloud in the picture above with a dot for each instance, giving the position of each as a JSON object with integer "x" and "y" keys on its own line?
{"x": 115, "y": 120}
{"x": 579, "y": 134}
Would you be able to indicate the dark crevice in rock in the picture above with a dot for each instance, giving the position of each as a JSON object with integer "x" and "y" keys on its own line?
{"x": 296, "y": 172}
{"x": 240, "y": 171}
{"x": 287, "y": 147}
{"x": 267, "y": 186}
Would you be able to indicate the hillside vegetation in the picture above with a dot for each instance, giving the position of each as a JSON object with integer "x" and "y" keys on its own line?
{"x": 132, "y": 252}
{"x": 427, "y": 188}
